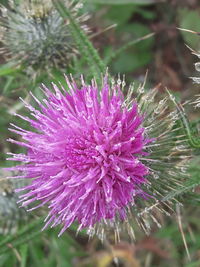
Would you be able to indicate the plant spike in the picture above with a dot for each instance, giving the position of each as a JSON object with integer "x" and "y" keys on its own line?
{"x": 194, "y": 142}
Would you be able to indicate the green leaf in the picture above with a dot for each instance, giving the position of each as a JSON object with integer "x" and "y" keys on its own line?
{"x": 120, "y": 14}
{"x": 189, "y": 19}
{"x": 8, "y": 84}
{"x": 9, "y": 68}
{"x": 122, "y": 2}
{"x": 127, "y": 46}
{"x": 193, "y": 264}
{"x": 137, "y": 54}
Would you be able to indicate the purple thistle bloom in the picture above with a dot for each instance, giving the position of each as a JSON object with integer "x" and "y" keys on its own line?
{"x": 89, "y": 156}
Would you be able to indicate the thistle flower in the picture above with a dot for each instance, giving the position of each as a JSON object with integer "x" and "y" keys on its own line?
{"x": 35, "y": 36}
{"x": 10, "y": 214}
{"x": 100, "y": 158}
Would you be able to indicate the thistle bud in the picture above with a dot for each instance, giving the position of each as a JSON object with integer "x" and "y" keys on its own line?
{"x": 36, "y": 37}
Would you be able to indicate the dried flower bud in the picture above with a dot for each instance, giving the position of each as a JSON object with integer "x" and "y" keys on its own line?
{"x": 35, "y": 35}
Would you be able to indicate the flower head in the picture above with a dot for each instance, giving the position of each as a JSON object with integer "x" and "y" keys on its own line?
{"x": 98, "y": 157}
{"x": 35, "y": 36}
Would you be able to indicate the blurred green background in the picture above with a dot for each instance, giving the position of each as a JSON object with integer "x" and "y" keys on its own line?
{"x": 113, "y": 24}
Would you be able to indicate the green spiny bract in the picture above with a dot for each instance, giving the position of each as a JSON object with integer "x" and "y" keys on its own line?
{"x": 10, "y": 214}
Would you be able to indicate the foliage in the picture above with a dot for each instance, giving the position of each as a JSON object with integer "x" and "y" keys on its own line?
{"x": 122, "y": 2}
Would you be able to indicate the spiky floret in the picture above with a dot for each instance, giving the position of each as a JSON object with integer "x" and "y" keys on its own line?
{"x": 100, "y": 158}
{"x": 35, "y": 36}
{"x": 10, "y": 214}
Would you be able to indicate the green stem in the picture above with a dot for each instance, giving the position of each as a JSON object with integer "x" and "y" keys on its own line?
{"x": 24, "y": 254}
{"x": 85, "y": 46}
